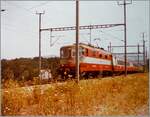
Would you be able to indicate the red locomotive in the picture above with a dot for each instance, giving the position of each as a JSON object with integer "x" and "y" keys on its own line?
{"x": 93, "y": 61}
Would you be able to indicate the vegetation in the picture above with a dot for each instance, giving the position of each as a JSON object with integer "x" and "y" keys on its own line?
{"x": 107, "y": 96}
{"x": 24, "y": 70}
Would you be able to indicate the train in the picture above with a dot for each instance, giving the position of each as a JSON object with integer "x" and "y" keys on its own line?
{"x": 93, "y": 62}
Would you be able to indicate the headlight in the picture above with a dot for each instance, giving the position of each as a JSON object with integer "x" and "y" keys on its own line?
{"x": 65, "y": 73}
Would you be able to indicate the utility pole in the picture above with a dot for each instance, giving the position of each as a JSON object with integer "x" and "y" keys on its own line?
{"x": 138, "y": 52}
{"x": 125, "y": 35}
{"x": 125, "y": 38}
{"x": 143, "y": 52}
{"x": 51, "y": 38}
{"x": 77, "y": 41}
{"x": 40, "y": 42}
{"x": 110, "y": 46}
{"x": 146, "y": 56}
{"x": 90, "y": 36}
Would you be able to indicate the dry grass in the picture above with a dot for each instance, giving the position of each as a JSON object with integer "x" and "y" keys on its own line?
{"x": 109, "y": 96}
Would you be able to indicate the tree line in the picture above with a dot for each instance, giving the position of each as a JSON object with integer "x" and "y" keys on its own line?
{"x": 25, "y": 69}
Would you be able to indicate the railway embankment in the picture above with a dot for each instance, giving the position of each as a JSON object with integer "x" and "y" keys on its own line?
{"x": 108, "y": 96}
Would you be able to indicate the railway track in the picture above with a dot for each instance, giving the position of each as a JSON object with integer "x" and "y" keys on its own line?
{"x": 30, "y": 89}
{"x": 43, "y": 87}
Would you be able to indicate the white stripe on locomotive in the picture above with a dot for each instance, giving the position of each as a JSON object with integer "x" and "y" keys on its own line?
{"x": 92, "y": 60}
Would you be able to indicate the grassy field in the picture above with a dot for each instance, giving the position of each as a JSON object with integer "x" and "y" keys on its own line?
{"x": 107, "y": 96}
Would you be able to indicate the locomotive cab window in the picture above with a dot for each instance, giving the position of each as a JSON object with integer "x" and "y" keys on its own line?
{"x": 61, "y": 53}
{"x": 73, "y": 53}
{"x": 81, "y": 51}
{"x": 69, "y": 52}
{"x": 65, "y": 53}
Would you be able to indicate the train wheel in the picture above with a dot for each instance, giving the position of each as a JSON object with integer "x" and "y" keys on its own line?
{"x": 100, "y": 74}
{"x": 91, "y": 75}
{"x": 82, "y": 75}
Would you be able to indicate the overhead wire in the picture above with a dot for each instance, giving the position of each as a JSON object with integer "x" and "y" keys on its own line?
{"x": 18, "y": 6}
{"x": 11, "y": 26}
{"x": 39, "y": 5}
{"x": 111, "y": 35}
{"x": 114, "y": 30}
{"x": 14, "y": 31}
{"x": 25, "y": 9}
{"x": 83, "y": 35}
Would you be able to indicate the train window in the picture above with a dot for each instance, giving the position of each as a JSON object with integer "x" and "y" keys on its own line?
{"x": 134, "y": 64}
{"x": 61, "y": 53}
{"x": 110, "y": 56}
{"x": 131, "y": 64}
{"x": 120, "y": 62}
{"x": 100, "y": 55}
{"x": 65, "y": 53}
{"x": 73, "y": 52}
{"x": 86, "y": 51}
{"x": 80, "y": 51}
{"x": 83, "y": 51}
{"x": 128, "y": 64}
{"x": 105, "y": 56}
{"x": 69, "y": 53}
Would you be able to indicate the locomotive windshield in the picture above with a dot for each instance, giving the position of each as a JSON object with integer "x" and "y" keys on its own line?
{"x": 68, "y": 52}
{"x": 81, "y": 51}
{"x": 65, "y": 53}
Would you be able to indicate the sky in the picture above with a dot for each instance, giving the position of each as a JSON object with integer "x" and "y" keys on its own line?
{"x": 19, "y": 25}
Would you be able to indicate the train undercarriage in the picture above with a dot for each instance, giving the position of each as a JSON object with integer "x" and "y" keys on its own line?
{"x": 67, "y": 73}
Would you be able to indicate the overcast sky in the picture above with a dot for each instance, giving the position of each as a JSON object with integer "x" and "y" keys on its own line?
{"x": 19, "y": 25}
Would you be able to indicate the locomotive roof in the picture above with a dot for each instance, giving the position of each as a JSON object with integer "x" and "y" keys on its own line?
{"x": 88, "y": 46}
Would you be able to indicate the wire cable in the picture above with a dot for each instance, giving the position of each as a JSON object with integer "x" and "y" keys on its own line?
{"x": 112, "y": 36}
{"x": 39, "y": 5}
